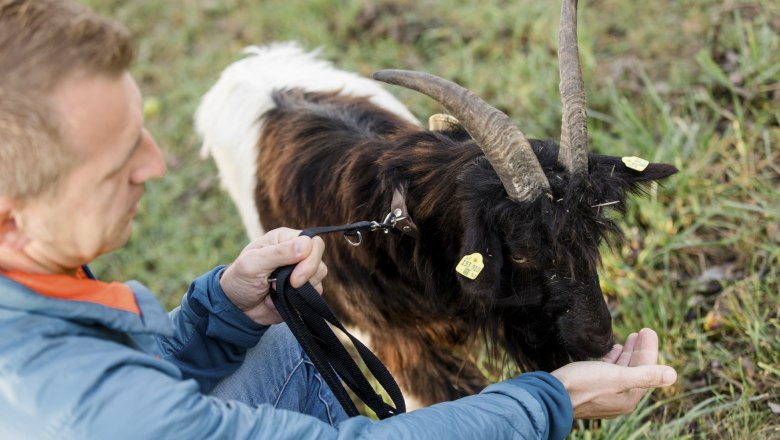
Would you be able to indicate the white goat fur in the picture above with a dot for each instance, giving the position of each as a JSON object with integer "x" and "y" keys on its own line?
{"x": 228, "y": 117}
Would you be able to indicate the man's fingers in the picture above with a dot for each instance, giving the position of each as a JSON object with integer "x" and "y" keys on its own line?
{"x": 274, "y": 237}
{"x": 270, "y": 257}
{"x": 322, "y": 272}
{"x": 613, "y": 354}
{"x": 648, "y": 376}
{"x": 304, "y": 252}
{"x": 310, "y": 267}
{"x": 646, "y": 348}
{"x": 628, "y": 350}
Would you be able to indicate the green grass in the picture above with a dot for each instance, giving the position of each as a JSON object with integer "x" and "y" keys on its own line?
{"x": 693, "y": 83}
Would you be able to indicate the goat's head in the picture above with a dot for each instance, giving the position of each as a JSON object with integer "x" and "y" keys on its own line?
{"x": 536, "y": 212}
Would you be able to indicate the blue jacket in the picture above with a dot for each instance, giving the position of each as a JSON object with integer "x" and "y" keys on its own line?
{"x": 79, "y": 370}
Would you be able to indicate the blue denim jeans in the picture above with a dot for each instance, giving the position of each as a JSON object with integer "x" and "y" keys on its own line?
{"x": 277, "y": 372}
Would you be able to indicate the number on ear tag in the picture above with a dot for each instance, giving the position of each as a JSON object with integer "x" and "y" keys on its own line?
{"x": 470, "y": 265}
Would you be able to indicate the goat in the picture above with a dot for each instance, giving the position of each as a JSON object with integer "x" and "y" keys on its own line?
{"x": 305, "y": 144}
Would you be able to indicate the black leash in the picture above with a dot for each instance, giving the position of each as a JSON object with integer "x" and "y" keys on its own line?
{"x": 308, "y": 315}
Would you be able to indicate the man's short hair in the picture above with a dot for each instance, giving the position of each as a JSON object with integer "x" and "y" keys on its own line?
{"x": 43, "y": 42}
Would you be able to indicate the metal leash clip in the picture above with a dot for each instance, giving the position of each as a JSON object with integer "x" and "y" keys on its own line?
{"x": 386, "y": 225}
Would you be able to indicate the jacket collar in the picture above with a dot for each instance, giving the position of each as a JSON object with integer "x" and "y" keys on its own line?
{"x": 143, "y": 315}
{"x": 81, "y": 287}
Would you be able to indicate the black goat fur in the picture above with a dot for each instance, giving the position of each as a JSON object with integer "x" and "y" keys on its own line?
{"x": 328, "y": 159}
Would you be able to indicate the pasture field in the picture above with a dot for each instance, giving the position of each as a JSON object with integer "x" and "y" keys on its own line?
{"x": 695, "y": 83}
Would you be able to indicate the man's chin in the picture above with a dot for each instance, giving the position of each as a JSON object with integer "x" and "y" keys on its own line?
{"x": 121, "y": 240}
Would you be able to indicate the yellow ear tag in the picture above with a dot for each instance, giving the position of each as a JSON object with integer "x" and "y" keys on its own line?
{"x": 470, "y": 265}
{"x": 636, "y": 163}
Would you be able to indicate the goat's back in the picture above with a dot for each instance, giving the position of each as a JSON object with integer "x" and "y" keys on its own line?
{"x": 229, "y": 117}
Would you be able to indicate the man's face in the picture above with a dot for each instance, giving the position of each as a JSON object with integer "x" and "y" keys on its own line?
{"x": 90, "y": 211}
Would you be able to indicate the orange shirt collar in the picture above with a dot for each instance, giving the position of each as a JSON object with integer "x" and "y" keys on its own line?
{"x": 79, "y": 288}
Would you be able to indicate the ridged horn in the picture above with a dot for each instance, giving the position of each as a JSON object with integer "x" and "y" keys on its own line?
{"x": 504, "y": 145}
{"x": 573, "y": 151}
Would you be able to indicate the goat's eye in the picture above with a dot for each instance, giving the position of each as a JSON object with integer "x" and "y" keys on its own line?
{"x": 520, "y": 260}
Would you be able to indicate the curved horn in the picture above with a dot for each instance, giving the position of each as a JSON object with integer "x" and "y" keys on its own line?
{"x": 573, "y": 151}
{"x": 504, "y": 145}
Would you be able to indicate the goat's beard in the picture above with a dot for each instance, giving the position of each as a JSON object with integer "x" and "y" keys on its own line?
{"x": 533, "y": 341}
{"x": 573, "y": 324}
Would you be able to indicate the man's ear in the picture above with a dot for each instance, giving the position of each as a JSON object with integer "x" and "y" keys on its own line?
{"x": 6, "y": 209}
{"x": 10, "y": 235}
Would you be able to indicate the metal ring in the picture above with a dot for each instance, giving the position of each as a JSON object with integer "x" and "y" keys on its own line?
{"x": 347, "y": 236}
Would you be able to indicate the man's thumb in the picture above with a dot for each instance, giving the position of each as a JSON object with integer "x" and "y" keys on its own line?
{"x": 651, "y": 376}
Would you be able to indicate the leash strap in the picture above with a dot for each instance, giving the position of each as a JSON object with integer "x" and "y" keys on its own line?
{"x": 308, "y": 316}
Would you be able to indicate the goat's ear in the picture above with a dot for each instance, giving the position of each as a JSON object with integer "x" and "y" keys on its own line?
{"x": 653, "y": 172}
{"x": 630, "y": 170}
{"x": 478, "y": 241}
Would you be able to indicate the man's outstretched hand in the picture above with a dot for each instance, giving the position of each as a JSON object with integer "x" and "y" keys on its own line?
{"x": 614, "y": 385}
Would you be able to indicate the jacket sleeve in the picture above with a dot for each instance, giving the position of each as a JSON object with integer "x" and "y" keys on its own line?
{"x": 531, "y": 406}
{"x": 211, "y": 335}
{"x": 140, "y": 400}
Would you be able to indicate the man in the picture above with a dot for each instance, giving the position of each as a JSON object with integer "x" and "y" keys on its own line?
{"x": 80, "y": 358}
